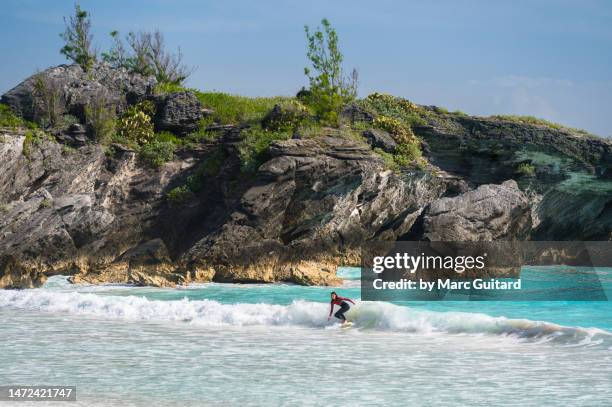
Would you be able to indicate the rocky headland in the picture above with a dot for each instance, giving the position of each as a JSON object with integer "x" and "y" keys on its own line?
{"x": 72, "y": 205}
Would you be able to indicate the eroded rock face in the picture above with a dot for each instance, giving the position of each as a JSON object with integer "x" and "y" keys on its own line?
{"x": 146, "y": 264}
{"x": 73, "y": 211}
{"x": 490, "y": 212}
{"x": 100, "y": 217}
{"x": 311, "y": 207}
{"x": 487, "y": 151}
{"x": 72, "y": 89}
{"x": 572, "y": 176}
{"x": 103, "y": 218}
{"x": 580, "y": 210}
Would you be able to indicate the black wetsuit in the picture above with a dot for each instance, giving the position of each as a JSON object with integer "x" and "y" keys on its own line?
{"x": 344, "y": 307}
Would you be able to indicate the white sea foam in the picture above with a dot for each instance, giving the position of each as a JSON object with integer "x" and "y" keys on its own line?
{"x": 366, "y": 316}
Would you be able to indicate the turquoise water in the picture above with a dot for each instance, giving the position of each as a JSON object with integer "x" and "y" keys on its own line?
{"x": 224, "y": 344}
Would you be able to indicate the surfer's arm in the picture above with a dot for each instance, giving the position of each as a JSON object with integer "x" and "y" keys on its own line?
{"x": 331, "y": 309}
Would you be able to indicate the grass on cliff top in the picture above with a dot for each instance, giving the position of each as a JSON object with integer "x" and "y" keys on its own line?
{"x": 538, "y": 122}
{"x": 398, "y": 116}
{"x": 380, "y": 104}
{"x": 233, "y": 109}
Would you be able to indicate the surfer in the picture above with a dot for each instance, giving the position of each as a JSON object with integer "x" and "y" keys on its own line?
{"x": 344, "y": 306}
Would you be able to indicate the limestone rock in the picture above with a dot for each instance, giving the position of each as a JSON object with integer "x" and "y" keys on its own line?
{"x": 380, "y": 139}
{"x": 178, "y": 112}
{"x": 490, "y": 212}
{"x": 354, "y": 113}
{"x": 311, "y": 206}
{"x": 73, "y": 89}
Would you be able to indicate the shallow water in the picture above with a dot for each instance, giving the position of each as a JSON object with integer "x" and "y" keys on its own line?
{"x": 222, "y": 344}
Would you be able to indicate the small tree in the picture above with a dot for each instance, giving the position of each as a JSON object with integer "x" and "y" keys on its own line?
{"x": 168, "y": 67}
{"x": 117, "y": 56}
{"x": 139, "y": 59}
{"x": 329, "y": 87}
{"x": 148, "y": 56}
{"x": 78, "y": 38}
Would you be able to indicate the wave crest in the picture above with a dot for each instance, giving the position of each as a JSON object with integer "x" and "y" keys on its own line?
{"x": 365, "y": 316}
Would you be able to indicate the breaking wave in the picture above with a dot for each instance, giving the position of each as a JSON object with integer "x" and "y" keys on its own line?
{"x": 365, "y": 316}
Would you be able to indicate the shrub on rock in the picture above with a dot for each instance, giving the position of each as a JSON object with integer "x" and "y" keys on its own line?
{"x": 284, "y": 116}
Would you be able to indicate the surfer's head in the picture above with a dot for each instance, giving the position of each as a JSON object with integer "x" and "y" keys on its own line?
{"x": 333, "y": 295}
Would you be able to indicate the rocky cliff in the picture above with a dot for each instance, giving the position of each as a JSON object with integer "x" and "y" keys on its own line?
{"x": 94, "y": 213}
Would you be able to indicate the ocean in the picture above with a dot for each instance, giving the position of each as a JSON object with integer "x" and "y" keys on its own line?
{"x": 233, "y": 344}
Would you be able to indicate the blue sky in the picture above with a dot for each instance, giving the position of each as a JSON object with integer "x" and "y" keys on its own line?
{"x": 551, "y": 59}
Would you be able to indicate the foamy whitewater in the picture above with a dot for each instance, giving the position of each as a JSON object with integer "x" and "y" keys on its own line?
{"x": 223, "y": 344}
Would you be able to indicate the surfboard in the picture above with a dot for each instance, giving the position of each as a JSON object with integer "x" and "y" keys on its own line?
{"x": 347, "y": 325}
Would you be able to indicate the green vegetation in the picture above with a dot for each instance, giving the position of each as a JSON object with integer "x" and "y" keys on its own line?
{"x": 397, "y": 116}
{"x": 408, "y": 151}
{"x": 401, "y": 132}
{"x": 78, "y": 39}
{"x": 441, "y": 110}
{"x": 45, "y": 203}
{"x": 136, "y": 124}
{"x": 202, "y": 134}
{"x": 527, "y": 120}
{"x": 32, "y": 138}
{"x": 391, "y": 106}
{"x": 329, "y": 89}
{"x": 163, "y": 88}
{"x": 146, "y": 54}
{"x": 67, "y": 120}
{"x": 136, "y": 130}
{"x": 156, "y": 152}
{"x": 537, "y": 122}
{"x": 28, "y": 142}
{"x": 166, "y": 136}
{"x": 388, "y": 158}
{"x": 10, "y": 119}
{"x": 263, "y": 119}
{"x": 48, "y": 94}
{"x": 101, "y": 119}
{"x": 179, "y": 195}
{"x": 526, "y": 169}
{"x": 267, "y": 119}
{"x": 254, "y": 146}
{"x": 409, "y": 155}
{"x": 287, "y": 116}
{"x": 66, "y": 149}
{"x": 209, "y": 167}
{"x": 232, "y": 109}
